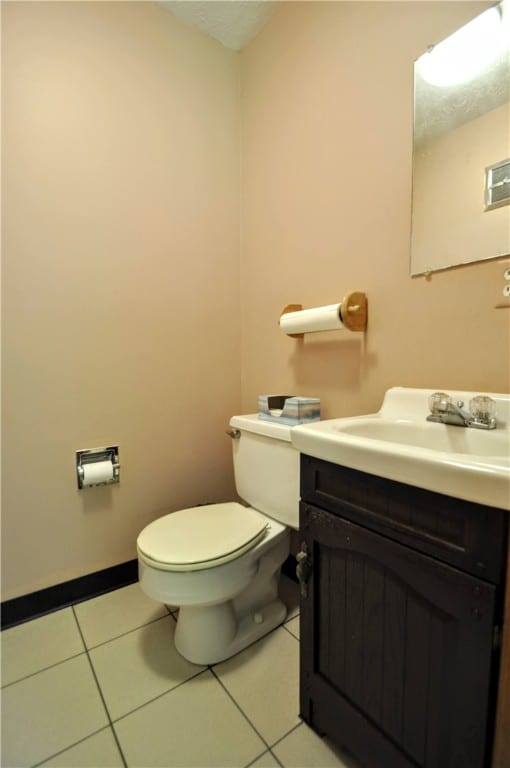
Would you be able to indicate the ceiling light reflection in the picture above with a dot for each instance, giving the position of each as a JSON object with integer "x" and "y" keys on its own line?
{"x": 468, "y": 51}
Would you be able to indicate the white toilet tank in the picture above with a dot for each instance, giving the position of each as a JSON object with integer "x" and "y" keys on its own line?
{"x": 266, "y": 468}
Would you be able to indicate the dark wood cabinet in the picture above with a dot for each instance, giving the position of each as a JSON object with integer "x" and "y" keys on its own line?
{"x": 399, "y": 633}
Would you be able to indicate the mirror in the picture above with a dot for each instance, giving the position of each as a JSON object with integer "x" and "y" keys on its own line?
{"x": 461, "y": 150}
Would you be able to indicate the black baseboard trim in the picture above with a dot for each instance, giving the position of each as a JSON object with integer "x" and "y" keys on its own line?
{"x": 26, "y": 607}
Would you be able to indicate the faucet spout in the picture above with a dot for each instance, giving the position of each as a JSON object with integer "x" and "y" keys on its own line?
{"x": 455, "y": 414}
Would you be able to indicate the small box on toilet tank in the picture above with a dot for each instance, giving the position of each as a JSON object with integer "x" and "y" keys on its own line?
{"x": 287, "y": 409}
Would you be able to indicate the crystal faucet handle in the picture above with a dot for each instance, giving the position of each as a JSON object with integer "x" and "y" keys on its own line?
{"x": 482, "y": 407}
{"x": 439, "y": 402}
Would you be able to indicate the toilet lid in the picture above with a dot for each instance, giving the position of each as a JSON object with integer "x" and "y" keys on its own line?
{"x": 201, "y": 537}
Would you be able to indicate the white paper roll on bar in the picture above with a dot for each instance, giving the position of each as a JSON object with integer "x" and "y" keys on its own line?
{"x": 309, "y": 320}
{"x": 349, "y": 314}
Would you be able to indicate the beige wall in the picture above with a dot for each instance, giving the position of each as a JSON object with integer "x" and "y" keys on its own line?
{"x": 121, "y": 252}
{"x": 326, "y": 197}
{"x": 449, "y": 221}
{"x": 121, "y": 277}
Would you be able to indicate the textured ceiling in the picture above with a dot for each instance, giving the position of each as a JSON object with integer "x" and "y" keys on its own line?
{"x": 437, "y": 110}
{"x": 234, "y": 22}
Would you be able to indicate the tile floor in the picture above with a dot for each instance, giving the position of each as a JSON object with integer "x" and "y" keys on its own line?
{"x": 100, "y": 685}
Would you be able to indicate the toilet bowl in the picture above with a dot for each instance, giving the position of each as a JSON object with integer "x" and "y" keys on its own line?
{"x": 220, "y": 563}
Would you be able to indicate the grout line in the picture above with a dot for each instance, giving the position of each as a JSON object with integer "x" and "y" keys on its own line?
{"x": 291, "y": 730}
{"x": 275, "y": 758}
{"x": 75, "y": 744}
{"x": 291, "y": 633}
{"x": 262, "y": 755}
{"x": 85, "y": 648}
{"x": 239, "y": 708}
{"x": 159, "y": 696}
{"x": 43, "y": 669}
{"x": 124, "y": 762}
{"x": 274, "y": 744}
{"x": 122, "y": 634}
{"x": 111, "y": 721}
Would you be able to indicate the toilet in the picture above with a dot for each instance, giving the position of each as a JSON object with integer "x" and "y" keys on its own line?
{"x": 220, "y": 563}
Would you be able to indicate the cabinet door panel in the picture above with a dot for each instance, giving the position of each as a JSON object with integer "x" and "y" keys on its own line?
{"x": 399, "y": 638}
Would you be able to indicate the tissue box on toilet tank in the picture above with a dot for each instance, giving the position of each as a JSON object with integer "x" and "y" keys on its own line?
{"x": 287, "y": 409}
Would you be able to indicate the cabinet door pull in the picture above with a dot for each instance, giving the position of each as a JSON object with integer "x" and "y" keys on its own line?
{"x": 303, "y": 568}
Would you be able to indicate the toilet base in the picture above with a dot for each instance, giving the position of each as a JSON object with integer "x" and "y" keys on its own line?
{"x": 207, "y": 634}
{"x": 211, "y": 645}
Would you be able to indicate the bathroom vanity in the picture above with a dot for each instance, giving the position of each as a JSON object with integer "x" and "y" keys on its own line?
{"x": 404, "y": 517}
{"x": 401, "y": 618}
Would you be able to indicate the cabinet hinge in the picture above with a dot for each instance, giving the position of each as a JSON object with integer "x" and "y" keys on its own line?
{"x": 496, "y": 638}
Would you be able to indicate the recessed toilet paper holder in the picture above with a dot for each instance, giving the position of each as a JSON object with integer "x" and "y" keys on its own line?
{"x": 89, "y": 456}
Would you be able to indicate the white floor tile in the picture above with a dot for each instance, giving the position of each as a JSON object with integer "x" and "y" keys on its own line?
{"x": 293, "y": 626}
{"x": 195, "y": 725}
{"x": 38, "y": 644}
{"x": 49, "y": 711}
{"x": 169, "y": 713}
{"x": 267, "y": 760}
{"x": 303, "y": 748}
{"x": 98, "y": 751}
{"x": 137, "y": 667}
{"x": 110, "y": 615}
{"x": 264, "y": 681}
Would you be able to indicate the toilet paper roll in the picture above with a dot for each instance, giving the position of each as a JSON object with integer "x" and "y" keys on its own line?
{"x": 309, "y": 320}
{"x": 97, "y": 472}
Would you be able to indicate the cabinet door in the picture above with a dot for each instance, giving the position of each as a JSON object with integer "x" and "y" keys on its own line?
{"x": 395, "y": 650}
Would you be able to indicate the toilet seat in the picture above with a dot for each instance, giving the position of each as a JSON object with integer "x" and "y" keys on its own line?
{"x": 201, "y": 537}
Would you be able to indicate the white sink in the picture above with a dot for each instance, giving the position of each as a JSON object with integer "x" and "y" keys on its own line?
{"x": 398, "y": 443}
{"x": 474, "y": 442}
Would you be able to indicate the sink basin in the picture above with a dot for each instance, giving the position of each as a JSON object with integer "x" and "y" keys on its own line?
{"x": 398, "y": 443}
{"x": 435, "y": 437}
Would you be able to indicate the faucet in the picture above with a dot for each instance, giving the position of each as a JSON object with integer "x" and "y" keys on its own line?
{"x": 444, "y": 411}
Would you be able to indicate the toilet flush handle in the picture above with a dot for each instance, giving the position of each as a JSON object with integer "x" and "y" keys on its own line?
{"x": 235, "y": 434}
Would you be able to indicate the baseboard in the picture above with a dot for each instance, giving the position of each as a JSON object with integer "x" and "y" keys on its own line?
{"x": 26, "y": 607}
{"x": 35, "y": 604}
